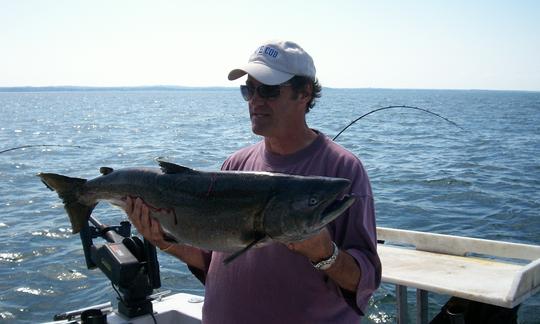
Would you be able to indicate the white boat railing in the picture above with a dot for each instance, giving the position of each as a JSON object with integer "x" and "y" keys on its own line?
{"x": 492, "y": 272}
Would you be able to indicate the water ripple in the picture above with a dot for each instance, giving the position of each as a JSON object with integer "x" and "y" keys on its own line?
{"x": 60, "y": 233}
{"x": 11, "y": 257}
{"x": 70, "y": 275}
{"x": 35, "y": 292}
{"x": 5, "y": 315}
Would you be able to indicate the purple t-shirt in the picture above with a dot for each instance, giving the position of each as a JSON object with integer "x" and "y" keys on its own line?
{"x": 271, "y": 284}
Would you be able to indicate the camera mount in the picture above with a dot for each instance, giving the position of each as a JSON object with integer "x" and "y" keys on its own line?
{"x": 130, "y": 264}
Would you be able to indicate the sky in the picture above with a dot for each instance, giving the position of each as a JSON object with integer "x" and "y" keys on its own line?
{"x": 355, "y": 44}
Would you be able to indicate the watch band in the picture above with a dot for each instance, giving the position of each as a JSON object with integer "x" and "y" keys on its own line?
{"x": 326, "y": 264}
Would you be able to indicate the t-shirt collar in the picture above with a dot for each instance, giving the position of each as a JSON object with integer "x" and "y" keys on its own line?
{"x": 277, "y": 160}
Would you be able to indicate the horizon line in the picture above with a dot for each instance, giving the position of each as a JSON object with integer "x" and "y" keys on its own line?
{"x": 178, "y": 87}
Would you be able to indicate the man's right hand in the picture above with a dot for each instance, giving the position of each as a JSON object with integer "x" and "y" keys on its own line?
{"x": 138, "y": 213}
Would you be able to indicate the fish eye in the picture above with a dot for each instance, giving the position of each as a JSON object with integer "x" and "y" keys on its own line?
{"x": 313, "y": 201}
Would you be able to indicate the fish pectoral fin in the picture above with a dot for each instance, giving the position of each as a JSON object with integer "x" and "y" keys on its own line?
{"x": 171, "y": 168}
{"x": 105, "y": 170}
{"x": 242, "y": 251}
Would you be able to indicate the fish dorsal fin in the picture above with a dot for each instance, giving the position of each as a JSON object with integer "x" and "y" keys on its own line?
{"x": 105, "y": 170}
{"x": 171, "y": 168}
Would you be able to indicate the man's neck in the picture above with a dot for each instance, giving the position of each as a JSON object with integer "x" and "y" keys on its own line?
{"x": 291, "y": 142}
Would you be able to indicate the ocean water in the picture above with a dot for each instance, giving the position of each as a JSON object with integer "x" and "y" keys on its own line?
{"x": 427, "y": 175}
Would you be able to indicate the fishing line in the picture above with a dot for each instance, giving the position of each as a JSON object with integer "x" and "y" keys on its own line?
{"x": 39, "y": 145}
{"x": 392, "y": 107}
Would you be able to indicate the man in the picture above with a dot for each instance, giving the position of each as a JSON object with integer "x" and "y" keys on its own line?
{"x": 327, "y": 278}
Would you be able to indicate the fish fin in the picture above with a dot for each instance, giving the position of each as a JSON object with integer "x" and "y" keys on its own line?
{"x": 47, "y": 185}
{"x": 105, "y": 170}
{"x": 240, "y": 252}
{"x": 171, "y": 168}
{"x": 78, "y": 215}
{"x": 68, "y": 189}
{"x": 60, "y": 183}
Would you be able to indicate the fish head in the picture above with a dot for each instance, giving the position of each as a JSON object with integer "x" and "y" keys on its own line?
{"x": 305, "y": 206}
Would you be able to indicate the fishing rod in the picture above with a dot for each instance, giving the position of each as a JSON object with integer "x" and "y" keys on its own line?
{"x": 392, "y": 107}
{"x": 37, "y": 145}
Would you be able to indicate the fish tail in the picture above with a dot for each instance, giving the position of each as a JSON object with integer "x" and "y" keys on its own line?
{"x": 68, "y": 189}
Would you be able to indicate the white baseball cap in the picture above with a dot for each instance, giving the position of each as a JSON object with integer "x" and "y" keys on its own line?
{"x": 276, "y": 62}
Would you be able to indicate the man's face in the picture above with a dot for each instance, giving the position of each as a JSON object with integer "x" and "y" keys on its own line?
{"x": 273, "y": 117}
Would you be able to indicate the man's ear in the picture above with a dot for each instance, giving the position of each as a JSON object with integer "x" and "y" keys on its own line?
{"x": 306, "y": 93}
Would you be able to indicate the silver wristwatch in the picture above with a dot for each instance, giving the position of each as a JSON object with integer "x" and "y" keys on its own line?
{"x": 326, "y": 264}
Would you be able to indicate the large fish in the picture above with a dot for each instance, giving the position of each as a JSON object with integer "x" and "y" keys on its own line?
{"x": 227, "y": 211}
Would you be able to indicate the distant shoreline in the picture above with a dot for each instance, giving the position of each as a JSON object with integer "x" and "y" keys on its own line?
{"x": 83, "y": 88}
{"x": 186, "y": 88}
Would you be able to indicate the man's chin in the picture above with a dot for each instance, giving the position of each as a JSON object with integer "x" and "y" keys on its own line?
{"x": 258, "y": 130}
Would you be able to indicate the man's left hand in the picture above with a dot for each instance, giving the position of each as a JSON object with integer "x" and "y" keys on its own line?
{"x": 316, "y": 248}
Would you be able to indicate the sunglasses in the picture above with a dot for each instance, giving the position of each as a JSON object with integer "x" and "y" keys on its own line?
{"x": 264, "y": 91}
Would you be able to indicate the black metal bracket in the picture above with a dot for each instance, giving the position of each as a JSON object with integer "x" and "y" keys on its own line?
{"x": 130, "y": 264}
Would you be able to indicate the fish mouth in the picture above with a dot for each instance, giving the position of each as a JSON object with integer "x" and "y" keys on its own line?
{"x": 335, "y": 209}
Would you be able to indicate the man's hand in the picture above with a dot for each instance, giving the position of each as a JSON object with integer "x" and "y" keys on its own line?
{"x": 345, "y": 271}
{"x": 316, "y": 248}
{"x": 138, "y": 213}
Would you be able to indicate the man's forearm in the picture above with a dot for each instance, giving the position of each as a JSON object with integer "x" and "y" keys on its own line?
{"x": 345, "y": 272}
{"x": 190, "y": 255}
